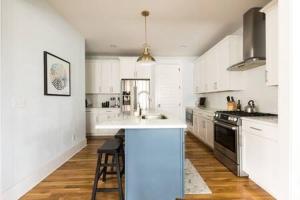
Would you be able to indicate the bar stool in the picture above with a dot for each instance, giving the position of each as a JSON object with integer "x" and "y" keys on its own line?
{"x": 121, "y": 137}
{"x": 112, "y": 148}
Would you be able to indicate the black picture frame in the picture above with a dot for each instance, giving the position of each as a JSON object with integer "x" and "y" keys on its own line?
{"x": 46, "y": 77}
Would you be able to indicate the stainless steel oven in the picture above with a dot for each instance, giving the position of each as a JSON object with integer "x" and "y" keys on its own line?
{"x": 189, "y": 116}
{"x": 227, "y": 147}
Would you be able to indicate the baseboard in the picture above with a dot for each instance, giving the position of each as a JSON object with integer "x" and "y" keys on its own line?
{"x": 32, "y": 180}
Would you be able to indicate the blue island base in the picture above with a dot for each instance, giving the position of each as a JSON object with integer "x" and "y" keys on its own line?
{"x": 154, "y": 164}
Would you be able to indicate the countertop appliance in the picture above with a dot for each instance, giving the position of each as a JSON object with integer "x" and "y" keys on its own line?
{"x": 189, "y": 116}
{"x": 250, "y": 108}
{"x": 228, "y": 138}
{"x": 135, "y": 95}
{"x": 254, "y": 41}
{"x": 202, "y": 101}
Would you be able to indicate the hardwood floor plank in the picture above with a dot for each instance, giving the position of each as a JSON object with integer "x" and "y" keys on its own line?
{"x": 74, "y": 179}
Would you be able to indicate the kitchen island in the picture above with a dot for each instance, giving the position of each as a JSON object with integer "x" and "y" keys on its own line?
{"x": 154, "y": 156}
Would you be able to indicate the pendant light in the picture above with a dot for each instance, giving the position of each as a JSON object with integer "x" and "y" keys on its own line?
{"x": 146, "y": 58}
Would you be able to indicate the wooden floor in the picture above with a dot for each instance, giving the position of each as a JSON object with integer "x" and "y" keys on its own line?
{"x": 74, "y": 179}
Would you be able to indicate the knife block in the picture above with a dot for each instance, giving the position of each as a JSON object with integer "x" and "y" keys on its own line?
{"x": 231, "y": 106}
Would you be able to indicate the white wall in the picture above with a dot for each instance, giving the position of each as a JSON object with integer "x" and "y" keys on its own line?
{"x": 39, "y": 132}
{"x": 265, "y": 97}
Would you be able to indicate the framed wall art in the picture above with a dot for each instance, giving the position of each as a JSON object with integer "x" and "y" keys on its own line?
{"x": 57, "y": 75}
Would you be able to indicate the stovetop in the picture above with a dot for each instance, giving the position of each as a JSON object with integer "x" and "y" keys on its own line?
{"x": 234, "y": 117}
{"x": 245, "y": 114}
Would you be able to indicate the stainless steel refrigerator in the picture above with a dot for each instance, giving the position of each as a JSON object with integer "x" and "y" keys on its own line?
{"x": 135, "y": 93}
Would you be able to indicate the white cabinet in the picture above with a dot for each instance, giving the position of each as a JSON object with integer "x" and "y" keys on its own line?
{"x": 260, "y": 152}
{"x": 115, "y": 77}
{"x": 102, "y": 76}
{"x": 127, "y": 68}
{"x": 210, "y": 71}
{"x": 90, "y": 121}
{"x": 92, "y": 80}
{"x": 199, "y": 76}
{"x": 271, "y": 11}
{"x": 105, "y": 76}
{"x": 130, "y": 69}
{"x": 203, "y": 127}
{"x": 229, "y": 52}
{"x": 142, "y": 71}
{"x": 94, "y": 116}
{"x": 196, "y": 76}
{"x": 209, "y": 124}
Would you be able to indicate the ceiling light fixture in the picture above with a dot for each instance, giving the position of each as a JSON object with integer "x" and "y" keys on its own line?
{"x": 146, "y": 57}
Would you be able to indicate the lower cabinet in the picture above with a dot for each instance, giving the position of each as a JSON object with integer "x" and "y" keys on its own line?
{"x": 95, "y": 116}
{"x": 203, "y": 127}
{"x": 260, "y": 155}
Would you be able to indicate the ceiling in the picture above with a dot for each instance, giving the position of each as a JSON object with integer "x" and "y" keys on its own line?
{"x": 176, "y": 27}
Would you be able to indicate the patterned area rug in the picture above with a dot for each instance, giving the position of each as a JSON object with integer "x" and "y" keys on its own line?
{"x": 193, "y": 182}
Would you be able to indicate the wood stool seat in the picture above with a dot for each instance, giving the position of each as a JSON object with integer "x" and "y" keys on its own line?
{"x": 110, "y": 146}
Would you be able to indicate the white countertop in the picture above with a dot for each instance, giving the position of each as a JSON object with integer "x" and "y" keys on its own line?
{"x": 89, "y": 109}
{"x": 203, "y": 109}
{"x": 126, "y": 121}
{"x": 269, "y": 120}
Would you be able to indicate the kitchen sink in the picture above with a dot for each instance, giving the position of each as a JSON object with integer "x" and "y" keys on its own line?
{"x": 159, "y": 116}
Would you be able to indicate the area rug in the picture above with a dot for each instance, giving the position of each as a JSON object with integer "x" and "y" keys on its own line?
{"x": 193, "y": 182}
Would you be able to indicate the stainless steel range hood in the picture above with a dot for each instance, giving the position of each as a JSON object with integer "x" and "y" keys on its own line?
{"x": 254, "y": 41}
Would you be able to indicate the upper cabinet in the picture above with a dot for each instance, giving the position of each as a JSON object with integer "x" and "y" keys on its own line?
{"x": 102, "y": 76}
{"x": 271, "y": 11}
{"x": 130, "y": 69}
{"x": 92, "y": 74}
{"x": 210, "y": 70}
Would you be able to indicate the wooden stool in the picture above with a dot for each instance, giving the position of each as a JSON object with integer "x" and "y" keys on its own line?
{"x": 112, "y": 148}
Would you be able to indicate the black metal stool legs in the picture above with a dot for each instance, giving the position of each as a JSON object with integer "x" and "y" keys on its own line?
{"x": 97, "y": 176}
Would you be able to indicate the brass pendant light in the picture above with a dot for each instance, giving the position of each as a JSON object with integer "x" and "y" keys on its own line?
{"x": 146, "y": 57}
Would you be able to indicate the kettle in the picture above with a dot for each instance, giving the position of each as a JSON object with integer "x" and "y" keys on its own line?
{"x": 250, "y": 108}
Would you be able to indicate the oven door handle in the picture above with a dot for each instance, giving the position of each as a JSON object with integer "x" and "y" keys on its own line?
{"x": 225, "y": 125}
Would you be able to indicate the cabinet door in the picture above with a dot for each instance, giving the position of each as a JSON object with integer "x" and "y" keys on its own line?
{"x": 142, "y": 71}
{"x": 106, "y": 76}
{"x": 272, "y": 45}
{"x": 196, "y": 76}
{"x": 91, "y": 77}
{"x": 195, "y": 124}
{"x": 209, "y": 133}
{"x": 201, "y": 128}
{"x": 202, "y": 83}
{"x": 212, "y": 71}
{"x": 127, "y": 68}
{"x": 260, "y": 161}
{"x": 115, "y": 77}
{"x": 90, "y": 122}
{"x": 222, "y": 59}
